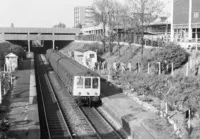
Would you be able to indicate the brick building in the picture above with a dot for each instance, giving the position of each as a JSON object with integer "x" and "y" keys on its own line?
{"x": 186, "y": 21}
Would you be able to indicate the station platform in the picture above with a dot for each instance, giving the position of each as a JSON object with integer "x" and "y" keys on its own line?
{"x": 23, "y": 108}
{"x": 137, "y": 122}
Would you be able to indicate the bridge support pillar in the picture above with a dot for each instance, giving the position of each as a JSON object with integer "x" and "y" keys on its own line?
{"x": 29, "y": 46}
{"x": 54, "y": 44}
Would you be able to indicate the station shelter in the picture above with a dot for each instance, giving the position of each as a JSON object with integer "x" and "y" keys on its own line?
{"x": 11, "y": 61}
{"x": 85, "y": 57}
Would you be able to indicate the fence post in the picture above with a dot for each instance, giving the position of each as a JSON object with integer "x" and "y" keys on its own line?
{"x": 187, "y": 68}
{"x": 138, "y": 67}
{"x": 191, "y": 63}
{"x": 11, "y": 79}
{"x": 159, "y": 68}
{"x": 148, "y": 68}
{"x": 4, "y": 90}
{"x": 189, "y": 120}
{"x": 172, "y": 70}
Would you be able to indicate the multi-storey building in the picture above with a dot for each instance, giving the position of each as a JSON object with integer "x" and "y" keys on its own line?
{"x": 83, "y": 16}
{"x": 185, "y": 20}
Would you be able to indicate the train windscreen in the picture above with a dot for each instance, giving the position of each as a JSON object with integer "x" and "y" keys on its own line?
{"x": 80, "y": 82}
{"x": 87, "y": 82}
{"x": 95, "y": 83}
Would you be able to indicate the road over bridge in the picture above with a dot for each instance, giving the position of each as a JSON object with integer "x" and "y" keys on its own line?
{"x": 29, "y": 34}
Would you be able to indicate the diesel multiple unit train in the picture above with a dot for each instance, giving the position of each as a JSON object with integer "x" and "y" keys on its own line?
{"x": 82, "y": 83}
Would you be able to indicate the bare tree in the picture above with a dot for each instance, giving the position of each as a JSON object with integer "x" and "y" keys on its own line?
{"x": 12, "y": 25}
{"x": 60, "y": 25}
{"x": 141, "y": 13}
{"x": 119, "y": 10}
{"x": 79, "y": 26}
{"x": 101, "y": 16}
{"x": 106, "y": 12}
{"x": 120, "y": 17}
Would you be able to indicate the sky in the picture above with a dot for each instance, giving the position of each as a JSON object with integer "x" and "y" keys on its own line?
{"x": 39, "y": 13}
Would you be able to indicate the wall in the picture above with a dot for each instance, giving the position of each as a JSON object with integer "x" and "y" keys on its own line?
{"x": 181, "y": 10}
{"x": 196, "y": 7}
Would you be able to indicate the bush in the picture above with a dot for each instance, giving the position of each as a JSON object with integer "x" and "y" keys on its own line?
{"x": 184, "y": 92}
{"x": 95, "y": 47}
{"x": 173, "y": 54}
{"x": 18, "y": 50}
{"x": 7, "y": 47}
{"x": 4, "y": 49}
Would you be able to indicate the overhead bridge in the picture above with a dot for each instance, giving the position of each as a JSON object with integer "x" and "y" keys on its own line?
{"x": 29, "y": 34}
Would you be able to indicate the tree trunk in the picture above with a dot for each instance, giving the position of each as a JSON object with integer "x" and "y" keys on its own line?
{"x": 142, "y": 44}
{"x": 118, "y": 44}
{"x": 104, "y": 38}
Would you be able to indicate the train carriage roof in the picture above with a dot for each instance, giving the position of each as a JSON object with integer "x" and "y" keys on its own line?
{"x": 71, "y": 65}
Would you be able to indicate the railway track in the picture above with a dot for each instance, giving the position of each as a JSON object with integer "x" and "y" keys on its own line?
{"x": 56, "y": 127}
{"x": 79, "y": 126}
{"x": 84, "y": 122}
{"x": 102, "y": 126}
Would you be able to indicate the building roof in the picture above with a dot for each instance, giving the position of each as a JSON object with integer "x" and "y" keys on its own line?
{"x": 162, "y": 20}
{"x": 11, "y": 55}
{"x": 82, "y": 50}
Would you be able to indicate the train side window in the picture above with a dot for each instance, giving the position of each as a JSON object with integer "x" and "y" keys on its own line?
{"x": 95, "y": 83}
{"x": 79, "y": 55}
{"x": 91, "y": 55}
{"x": 79, "y": 82}
{"x": 87, "y": 82}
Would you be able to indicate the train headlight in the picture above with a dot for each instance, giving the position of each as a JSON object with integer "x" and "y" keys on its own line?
{"x": 79, "y": 93}
{"x": 96, "y": 93}
{"x": 88, "y": 93}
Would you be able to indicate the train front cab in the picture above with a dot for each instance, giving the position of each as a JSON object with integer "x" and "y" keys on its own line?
{"x": 87, "y": 87}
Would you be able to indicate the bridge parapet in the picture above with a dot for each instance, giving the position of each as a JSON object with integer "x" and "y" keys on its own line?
{"x": 13, "y": 33}
{"x": 39, "y": 30}
{"x": 36, "y": 37}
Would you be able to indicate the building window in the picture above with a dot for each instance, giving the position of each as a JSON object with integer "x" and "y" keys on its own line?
{"x": 196, "y": 14}
{"x": 79, "y": 55}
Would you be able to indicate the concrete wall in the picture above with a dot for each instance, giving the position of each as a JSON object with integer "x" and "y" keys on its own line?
{"x": 181, "y": 11}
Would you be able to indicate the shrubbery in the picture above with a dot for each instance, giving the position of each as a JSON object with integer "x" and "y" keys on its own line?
{"x": 7, "y": 47}
{"x": 4, "y": 49}
{"x": 184, "y": 92}
{"x": 95, "y": 47}
{"x": 173, "y": 54}
{"x": 18, "y": 50}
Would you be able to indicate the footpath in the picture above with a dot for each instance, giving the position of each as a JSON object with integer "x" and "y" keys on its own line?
{"x": 22, "y": 104}
{"x": 138, "y": 122}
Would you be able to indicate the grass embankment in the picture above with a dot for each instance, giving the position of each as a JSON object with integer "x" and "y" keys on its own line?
{"x": 184, "y": 92}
